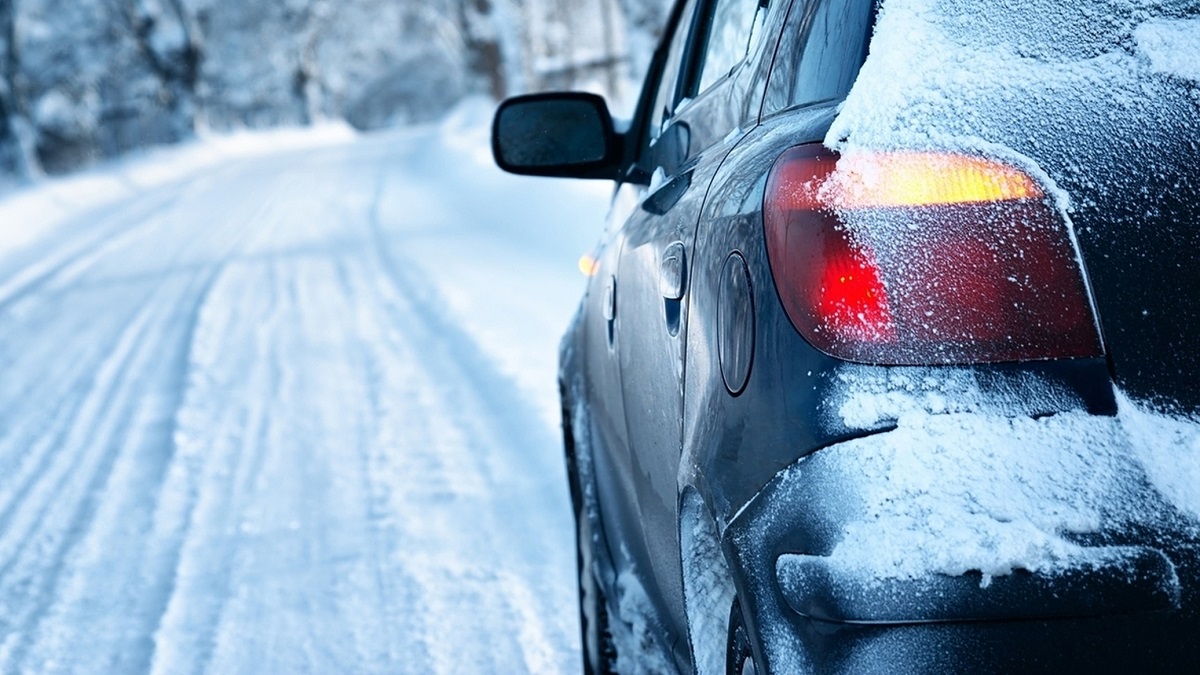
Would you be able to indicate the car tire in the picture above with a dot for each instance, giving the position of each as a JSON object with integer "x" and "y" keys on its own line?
{"x": 739, "y": 659}
{"x": 599, "y": 652}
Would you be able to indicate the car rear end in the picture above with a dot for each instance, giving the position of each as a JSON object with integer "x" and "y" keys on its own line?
{"x": 993, "y": 256}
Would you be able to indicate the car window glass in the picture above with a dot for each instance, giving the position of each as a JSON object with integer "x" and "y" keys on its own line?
{"x": 730, "y": 25}
{"x": 668, "y": 88}
{"x": 834, "y": 49}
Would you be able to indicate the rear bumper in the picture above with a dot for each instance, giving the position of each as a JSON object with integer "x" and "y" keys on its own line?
{"x": 1117, "y": 591}
{"x": 1110, "y": 580}
{"x": 1136, "y": 643}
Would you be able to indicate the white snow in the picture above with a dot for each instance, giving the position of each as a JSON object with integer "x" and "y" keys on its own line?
{"x": 871, "y": 396}
{"x": 959, "y": 492}
{"x": 964, "y": 485}
{"x": 1173, "y": 46}
{"x": 633, "y": 633}
{"x": 286, "y": 402}
{"x": 707, "y": 585}
{"x": 979, "y": 77}
{"x": 1168, "y": 446}
{"x": 28, "y": 213}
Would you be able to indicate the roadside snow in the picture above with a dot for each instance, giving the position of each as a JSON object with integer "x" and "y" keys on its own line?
{"x": 26, "y": 213}
{"x": 287, "y": 403}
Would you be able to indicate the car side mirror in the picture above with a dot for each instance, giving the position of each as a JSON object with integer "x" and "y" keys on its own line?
{"x": 562, "y": 134}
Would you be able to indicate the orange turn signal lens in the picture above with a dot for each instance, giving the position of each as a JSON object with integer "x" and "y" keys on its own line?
{"x": 910, "y": 179}
{"x": 921, "y": 258}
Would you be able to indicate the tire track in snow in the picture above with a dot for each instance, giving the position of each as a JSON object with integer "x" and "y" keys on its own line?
{"x": 214, "y": 441}
{"x": 120, "y": 493}
{"x": 104, "y": 417}
{"x": 497, "y": 423}
{"x": 305, "y": 409}
{"x": 76, "y": 250}
{"x": 229, "y": 476}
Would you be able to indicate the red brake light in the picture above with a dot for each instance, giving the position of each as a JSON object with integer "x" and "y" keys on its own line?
{"x": 922, "y": 258}
{"x": 849, "y": 295}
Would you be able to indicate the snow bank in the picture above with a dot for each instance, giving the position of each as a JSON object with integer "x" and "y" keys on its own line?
{"x": 29, "y": 212}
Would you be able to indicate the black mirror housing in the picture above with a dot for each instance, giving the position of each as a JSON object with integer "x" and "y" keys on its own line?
{"x": 559, "y": 134}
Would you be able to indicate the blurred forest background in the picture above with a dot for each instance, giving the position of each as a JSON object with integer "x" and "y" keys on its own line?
{"x": 82, "y": 80}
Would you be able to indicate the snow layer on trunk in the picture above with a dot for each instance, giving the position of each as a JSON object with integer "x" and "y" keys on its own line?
{"x": 962, "y": 485}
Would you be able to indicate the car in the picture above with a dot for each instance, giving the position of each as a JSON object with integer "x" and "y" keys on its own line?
{"x": 888, "y": 357}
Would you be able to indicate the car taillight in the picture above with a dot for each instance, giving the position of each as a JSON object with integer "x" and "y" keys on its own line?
{"x": 910, "y": 258}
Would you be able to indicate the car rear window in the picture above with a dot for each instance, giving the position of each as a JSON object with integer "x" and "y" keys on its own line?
{"x": 984, "y": 69}
{"x": 824, "y": 46}
{"x": 730, "y": 24}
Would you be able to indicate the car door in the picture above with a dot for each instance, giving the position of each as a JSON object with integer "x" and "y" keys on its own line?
{"x": 704, "y": 114}
{"x": 608, "y": 298}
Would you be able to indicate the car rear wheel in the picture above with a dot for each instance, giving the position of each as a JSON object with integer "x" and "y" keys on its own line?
{"x": 599, "y": 653}
{"x": 739, "y": 659}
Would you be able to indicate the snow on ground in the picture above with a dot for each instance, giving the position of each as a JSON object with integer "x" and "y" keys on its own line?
{"x": 289, "y": 409}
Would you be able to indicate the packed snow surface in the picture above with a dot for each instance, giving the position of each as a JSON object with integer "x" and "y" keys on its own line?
{"x": 286, "y": 404}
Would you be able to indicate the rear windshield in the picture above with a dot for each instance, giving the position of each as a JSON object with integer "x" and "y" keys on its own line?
{"x": 940, "y": 69}
{"x": 824, "y": 46}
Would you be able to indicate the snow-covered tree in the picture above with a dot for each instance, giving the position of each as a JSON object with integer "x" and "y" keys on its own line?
{"x": 84, "y": 79}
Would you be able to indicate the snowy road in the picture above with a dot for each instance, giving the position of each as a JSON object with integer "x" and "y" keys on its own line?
{"x": 291, "y": 413}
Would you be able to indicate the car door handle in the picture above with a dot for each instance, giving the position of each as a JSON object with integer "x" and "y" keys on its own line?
{"x": 610, "y": 299}
{"x": 668, "y": 194}
{"x": 673, "y": 272}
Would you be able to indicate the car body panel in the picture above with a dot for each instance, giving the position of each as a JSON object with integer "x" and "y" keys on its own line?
{"x": 653, "y": 328}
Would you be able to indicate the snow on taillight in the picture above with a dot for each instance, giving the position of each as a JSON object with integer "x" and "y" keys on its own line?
{"x": 924, "y": 258}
